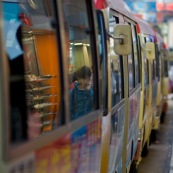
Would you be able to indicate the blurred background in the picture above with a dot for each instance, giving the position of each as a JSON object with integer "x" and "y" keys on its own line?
{"x": 159, "y": 13}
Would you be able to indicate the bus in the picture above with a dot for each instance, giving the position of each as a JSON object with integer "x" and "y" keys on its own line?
{"x": 120, "y": 143}
{"x": 164, "y": 56}
{"x": 162, "y": 90}
{"x": 45, "y": 46}
{"x": 42, "y": 44}
{"x": 71, "y": 81}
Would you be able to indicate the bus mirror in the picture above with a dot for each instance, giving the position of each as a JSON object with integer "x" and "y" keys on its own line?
{"x": 122, "y": 39}
{"x": 150, "y": 50}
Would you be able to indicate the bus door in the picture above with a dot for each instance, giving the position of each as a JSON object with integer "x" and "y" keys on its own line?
{"x": 43, "y": 48}
{"x": 152, "y": 86}
{"x": 117, "y": 101}
{"x": 144, "y": 103}
{"x": 144, "y": 87}
{"x": 165, "y": 81}
{"x": 113, "y": 122}
{"x": 158, "y": 103}
{"x": 106, "y": 125}
{"x": 146, "y": 93}
{"x": 154, "y": 81}
{"x": 134, "y": 96}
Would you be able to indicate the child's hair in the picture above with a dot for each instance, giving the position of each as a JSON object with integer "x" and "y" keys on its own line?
{"x": 83, "y": 73}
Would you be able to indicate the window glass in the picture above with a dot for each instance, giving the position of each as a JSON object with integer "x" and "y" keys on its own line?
{"x": 153, "y": 70}
{"x": 31, "y": 48}
{"x": 157, "y": 62}
{"x": 146, "y": 77}
{"x": 136, "y": 55}
{"x": 165, "y": 68}
{"x": 153, "y": 64}
{"x": 131, "y": 71}
{"x": 116, "y": 67}
{"x": 81, "y": 76}
{"x": 103, "y": 59}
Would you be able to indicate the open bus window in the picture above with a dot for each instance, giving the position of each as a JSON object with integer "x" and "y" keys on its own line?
{"x": 35, "y": 90}
{"x": 81, "y": 72}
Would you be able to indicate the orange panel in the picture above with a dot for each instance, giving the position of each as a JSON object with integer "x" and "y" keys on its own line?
{"x": 47, "y": 54}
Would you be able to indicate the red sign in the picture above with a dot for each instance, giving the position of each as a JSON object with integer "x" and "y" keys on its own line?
{"x": 99, "y": 4}
{"x": 164, "y": 6}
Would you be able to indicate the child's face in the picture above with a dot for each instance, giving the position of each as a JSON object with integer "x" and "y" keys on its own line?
{"x": 85, "y": 83}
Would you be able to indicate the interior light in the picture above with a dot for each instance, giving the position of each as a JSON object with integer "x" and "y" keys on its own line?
{"x": 77, "y": 44}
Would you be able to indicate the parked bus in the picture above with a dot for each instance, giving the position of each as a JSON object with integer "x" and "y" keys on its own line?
{"x": 122, "y": 121}
{"x": 50, "y": 57}
{"x": 72, "y": 74}
{"x": 164, "y": 58}
{"x": 146, "y": 55}
{"x": 152, "y": 100}
{"x": 42, "y": 44}
{"x": 162, "y": 90}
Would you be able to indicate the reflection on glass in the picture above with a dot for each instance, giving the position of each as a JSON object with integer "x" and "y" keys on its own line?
{"x": 116, "y": 142}
{"x": 31, "y": 48}
{"x": 82, "y": 95}
{"x": 81, "y": 84}
{"x": 115, "y": 66}
{"x": 146, "y": 80}
{"x": 130, "y": 67}
{"x": 135, "y": 55}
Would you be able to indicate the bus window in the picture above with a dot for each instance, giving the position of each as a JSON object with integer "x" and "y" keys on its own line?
{"x": 136, "y": 56}
{"x": 146, "y": 74}
{"x": 146, "y": 79}
{"x": 116, "y": 67}
{"x": 103, "y": 59}
{"x": 131, "y": 72}
{"x": 158, "y": 58}
{"x": 32, "y": 51}
{"x": 165, "y": 68}
{"x": 81, "y": 55}
{"x": 153, "y": 70}
{"x": 131, "y": 69}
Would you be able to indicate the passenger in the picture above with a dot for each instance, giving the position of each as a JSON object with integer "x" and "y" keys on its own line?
{"x": 82, "y": 95}
{"x": 72, "y": 80}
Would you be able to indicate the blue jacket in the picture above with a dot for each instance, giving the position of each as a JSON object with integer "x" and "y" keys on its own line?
{"x": 81, "y": 102}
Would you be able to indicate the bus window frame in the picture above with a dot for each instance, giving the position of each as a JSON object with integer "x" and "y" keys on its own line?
{"x": 92, "y": 30}
{"x": 103, "y": 61}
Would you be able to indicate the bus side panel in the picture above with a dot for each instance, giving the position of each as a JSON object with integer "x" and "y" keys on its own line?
{"x": 76, "y": 152}
{"x": 133, "y": 125}
{"x": 116, "y": 142}
{"x": 106, "y": 132}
